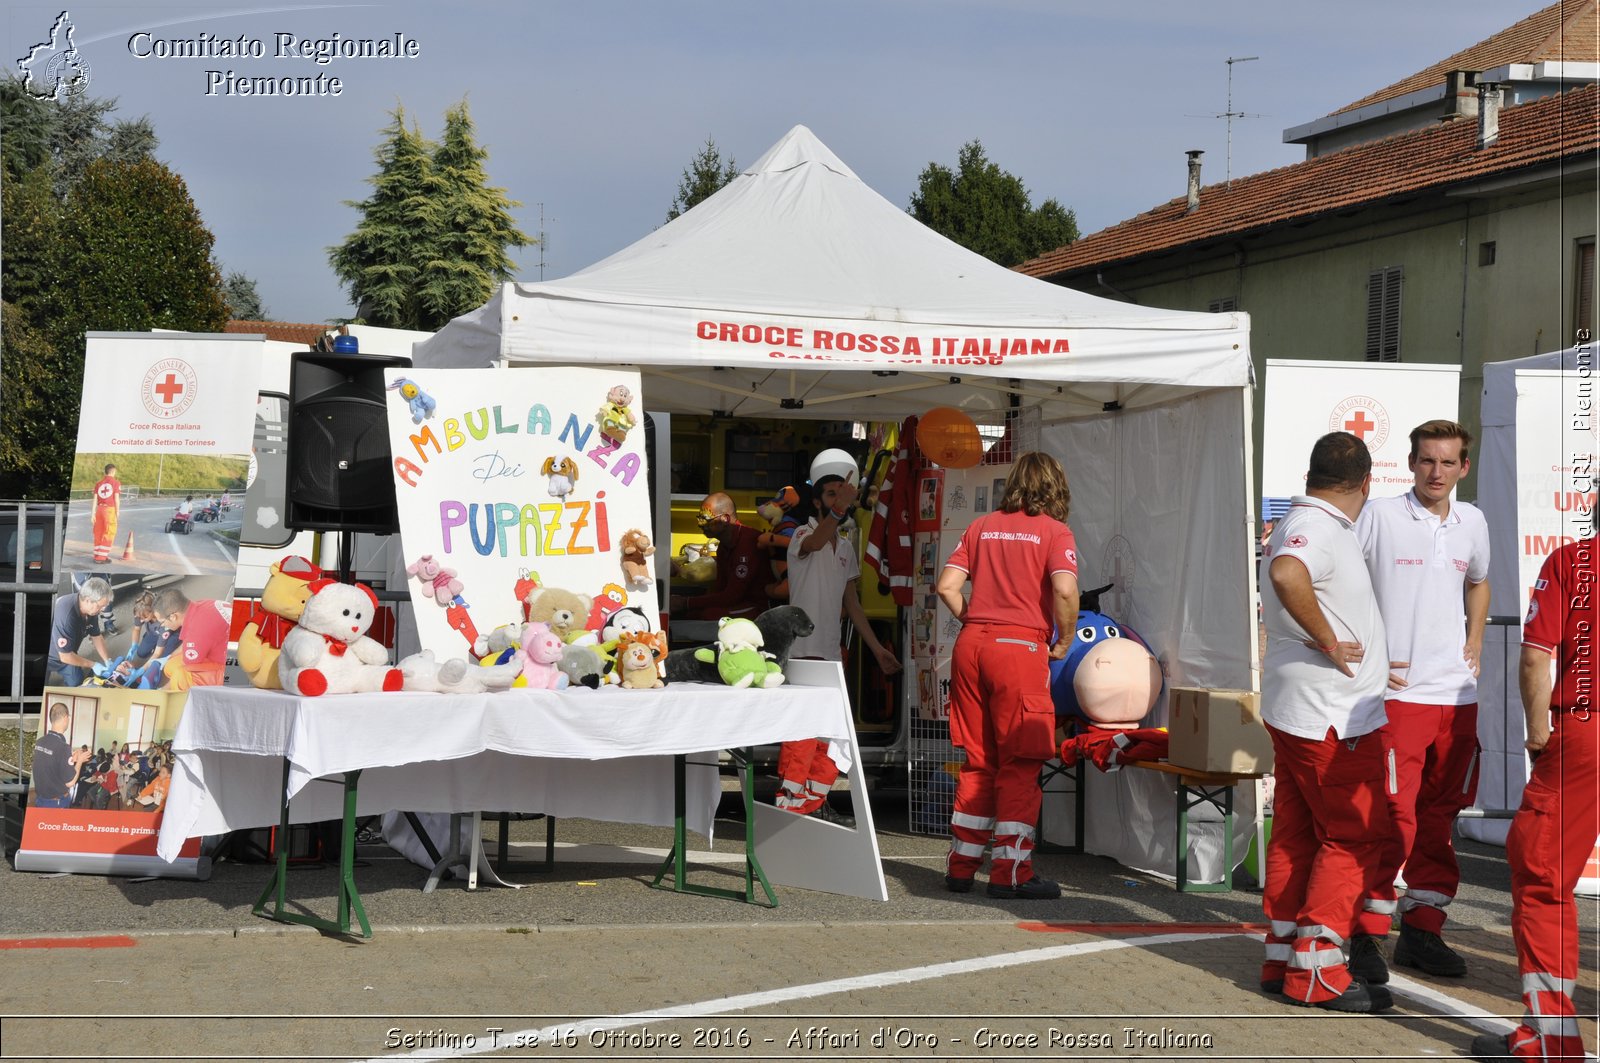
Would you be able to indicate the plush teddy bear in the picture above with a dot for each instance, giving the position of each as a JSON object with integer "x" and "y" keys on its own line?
{"x": 439, "y": 583}
{"x": 283, "y": 599}
{"x": 329, "y": 651}
{"x": 636, "y": 547}
{"x": 422, "y": 671}
{"x": 637, "y": 654}
{"x": 563, "y": 611}
{"x": 780, "y": 626}
{"x": 739, "y": 657}
{"x": 540, "y": 658}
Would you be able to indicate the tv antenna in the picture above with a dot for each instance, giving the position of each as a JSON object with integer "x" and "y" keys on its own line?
{"x": 1230, "y": 114}
{"x": 542, "y": 239}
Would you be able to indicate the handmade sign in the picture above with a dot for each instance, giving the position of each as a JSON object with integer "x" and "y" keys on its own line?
{"x": 516, "y": 490}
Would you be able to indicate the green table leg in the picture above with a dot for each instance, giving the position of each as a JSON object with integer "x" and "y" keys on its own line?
{"x": 676, "y": 860}
{"x": 1220, "y": 798}
{"x": 349, "y": 898}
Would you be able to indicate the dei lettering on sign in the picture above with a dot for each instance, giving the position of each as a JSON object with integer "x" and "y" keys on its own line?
{"x": 511, "y": 480}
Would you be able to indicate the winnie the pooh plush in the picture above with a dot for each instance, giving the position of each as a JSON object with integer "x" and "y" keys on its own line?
{"x": 738, "y": 655}
{"x": 283, "y": 599}
{"x": 329, "y": 651}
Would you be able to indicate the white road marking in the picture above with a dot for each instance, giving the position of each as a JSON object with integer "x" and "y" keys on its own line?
{"x": 746, "y": 1001}
{"x": 1487, "y": 1021}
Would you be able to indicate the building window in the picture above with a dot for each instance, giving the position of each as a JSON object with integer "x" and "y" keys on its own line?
{"x": 1226, "y": 305}
{"x": 1383, "y": 314}
{"x": 1486, "y": 253}
{"x": 1583, "y": 304}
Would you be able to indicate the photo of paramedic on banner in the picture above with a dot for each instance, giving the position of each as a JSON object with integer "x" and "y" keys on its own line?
{"x": 139, "y": 631}
{"x": 104, "y": 750}
{"x": 156, "y": 512}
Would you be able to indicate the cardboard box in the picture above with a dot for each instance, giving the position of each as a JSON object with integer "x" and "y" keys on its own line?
{"x": 1218, "y": 730}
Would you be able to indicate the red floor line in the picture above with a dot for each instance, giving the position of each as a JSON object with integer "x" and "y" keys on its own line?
{"x": 1143, "y": 928}
{"x": 111, "y": 941}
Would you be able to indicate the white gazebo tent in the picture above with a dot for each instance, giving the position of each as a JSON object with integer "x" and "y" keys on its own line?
{"x": 798, "y": 291}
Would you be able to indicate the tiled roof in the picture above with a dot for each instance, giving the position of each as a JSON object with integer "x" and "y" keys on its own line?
{"x": 1566, "y": 31}
{"x": 283, "y": 331}
{"x": 1539, "y": 132}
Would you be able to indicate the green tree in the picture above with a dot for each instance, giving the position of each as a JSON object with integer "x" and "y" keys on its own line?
{"x": 128, "y": 253}
{"x": 985, "y": 209}
{"x": 475, "y": 226}
{"x": 381, "y": 262}
{"x": 432, "y": 240}
{"x": 97, "y": 236}
{"x": 243, "y": 299}
{"x": 705, "y": 175}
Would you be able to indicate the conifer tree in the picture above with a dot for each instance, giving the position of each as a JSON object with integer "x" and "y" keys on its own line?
{"x": 475, "y": 226}
{"x": 705, "y": 175}
{"x": 433, "y": 236}
{"x": 381, "y": 262}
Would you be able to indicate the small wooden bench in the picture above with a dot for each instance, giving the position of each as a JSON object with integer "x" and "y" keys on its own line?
{"x": 1191, "y": 789}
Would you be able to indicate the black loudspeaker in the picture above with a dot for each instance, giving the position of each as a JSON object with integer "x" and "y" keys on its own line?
{"x": 340, "y": 475}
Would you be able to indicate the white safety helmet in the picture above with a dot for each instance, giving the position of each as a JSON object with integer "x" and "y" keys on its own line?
{"x": 835, "y": 462}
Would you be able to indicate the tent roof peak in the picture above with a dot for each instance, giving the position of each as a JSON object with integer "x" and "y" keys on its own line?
{"x": 799, "y": 147}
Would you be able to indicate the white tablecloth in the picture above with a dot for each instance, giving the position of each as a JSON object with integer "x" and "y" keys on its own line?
{"x": 603, "y": 754}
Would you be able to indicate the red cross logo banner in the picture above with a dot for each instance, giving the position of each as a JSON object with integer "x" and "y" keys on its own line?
{"x": 170, "y": 387}
{"x": 1363, "y": 417}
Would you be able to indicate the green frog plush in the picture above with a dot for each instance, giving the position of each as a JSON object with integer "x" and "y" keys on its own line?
{"x": 739, "y": 658}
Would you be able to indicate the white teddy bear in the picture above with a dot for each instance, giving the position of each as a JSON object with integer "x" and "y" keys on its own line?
{"x": 329, "y": 651}
{"x": 423, "y": 671}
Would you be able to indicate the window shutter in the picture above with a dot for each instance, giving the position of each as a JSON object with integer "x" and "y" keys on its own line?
{"x": 1383, "y": 314}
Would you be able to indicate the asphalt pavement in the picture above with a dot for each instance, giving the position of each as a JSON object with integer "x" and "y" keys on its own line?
{"x": 588, "y": 961}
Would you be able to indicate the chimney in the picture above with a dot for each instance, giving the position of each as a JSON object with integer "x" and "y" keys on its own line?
{"x": 1461, "y": 91}
{"x": 1490, "y": 97}
{"x": 1194, "y": 181}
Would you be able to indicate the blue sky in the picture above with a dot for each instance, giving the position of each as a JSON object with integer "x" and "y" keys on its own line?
{"x": 594, "y": 108}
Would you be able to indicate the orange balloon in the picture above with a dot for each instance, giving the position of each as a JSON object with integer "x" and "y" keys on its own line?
{"x": 948, "y": 437}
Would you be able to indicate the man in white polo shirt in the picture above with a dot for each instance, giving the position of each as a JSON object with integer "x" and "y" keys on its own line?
{"x": 1429, "y": 559}
{"x": 1322, "y": 701}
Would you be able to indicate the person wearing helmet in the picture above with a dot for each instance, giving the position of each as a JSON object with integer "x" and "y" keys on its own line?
{"x": 1023, "y": 564}
{"x": 823, "y": 574}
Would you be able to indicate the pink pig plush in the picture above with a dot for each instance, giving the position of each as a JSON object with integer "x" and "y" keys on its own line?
{"x": 438, "y": 582}
{"x": 541, "y": 658}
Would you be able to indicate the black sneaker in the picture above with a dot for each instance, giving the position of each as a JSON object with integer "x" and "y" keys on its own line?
{"x": 1357, "y": 998}
{"x": 826, "y": 813}
{"x": 1272, "y": 986}
{"x": 1427, "y": 952}
{"x": 1490, "y": 1046}
{"x": 1035, "y": 889}
{"x": 957, "y": 885}
{"x": 1366, "y": 959}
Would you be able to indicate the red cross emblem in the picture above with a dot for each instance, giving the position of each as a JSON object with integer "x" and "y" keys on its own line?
{"x": 170, "y": 388}
{"x": 1360, "y": 424}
